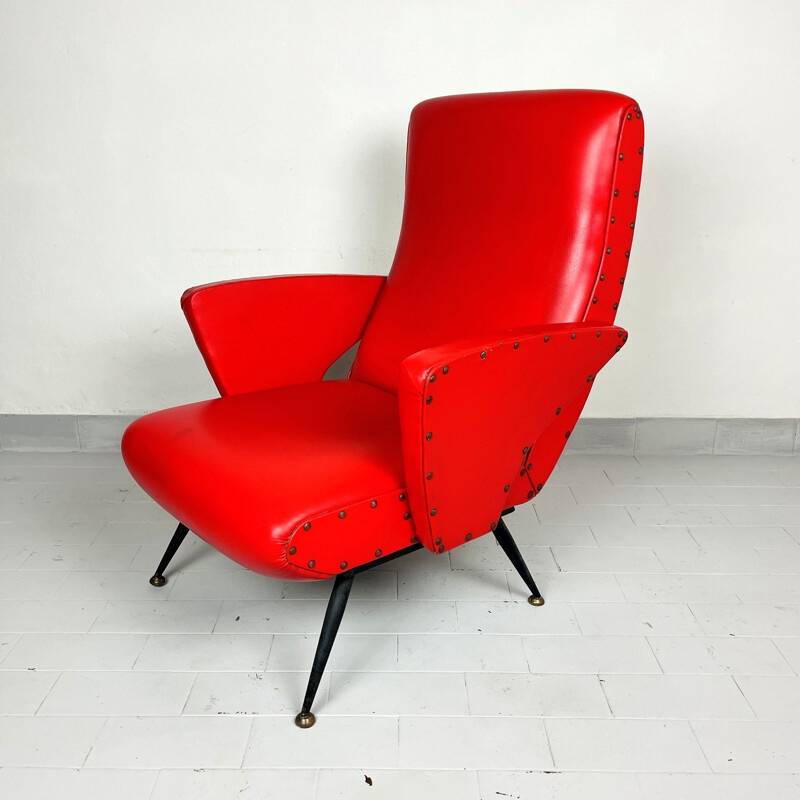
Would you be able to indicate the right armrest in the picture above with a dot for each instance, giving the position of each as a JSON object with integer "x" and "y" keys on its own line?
{"x": 260, "y": 333}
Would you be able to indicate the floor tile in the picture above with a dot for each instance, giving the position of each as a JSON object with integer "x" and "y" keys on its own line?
{"x": 649, "y": 536}
{"x": 333, "y": 743}
{"x": 247, "y": 693}
{"x": 637, "y": 619}
{"x": 118, "y": 694}
{"x": 230, "y": 585}
{"x": 752, "y": 537}
{"x": 747, "y": 620}
{"x": 677, "y": 515}
{"x": 618, "y": 495}
{"x": 221, "y": 784}
{"x": 351, "y": 652}
{"x": 143, "y": 616}
{"x": 713, "y": 562}
{"x": 750, "y": 746}
{"x": 673, "y": 588}
{"x": 344, "y": 784}
{"x": 517, "y": 617}
{"x": 205, "y": 652}
{"x": 375, "y": 584}
{"x": 675, "y": 697}
{"x": 520, "y": 695}
{"x": 397, "y": 694}
{"x": 81, "y": 557}
{"x": 49, "y": 532}
{"x": 176, "y": 742}
{"x": 30, "y": 585}
{"x": 719, "y": 655}
{"x": 491, "y": 557}
{"x": 772, "y": 697}
{"x": 458, "y": 585}
{"x": 615, "y": 745}
{"x": 473, "y": 743}
{"x": 607, "y": 559}
{"x": 49, "y": 615}
{"x": 564, "y": 587}
{"x": 362, "y": 616}
{"x": 13, "y": 556}
{"x": 718, "y": 787}
{"x": 461, "y": 652}
{"x": 76, "y": 784}
{"x": 552, "y": 785}
{"x": 75, "y": 651}
{"x": 790, "y": 650}
{"x": 590, "y": 654}
{"x": 22, "y": 692}
{"x": 47, "y": 741}
{"x": 97, "y": 585}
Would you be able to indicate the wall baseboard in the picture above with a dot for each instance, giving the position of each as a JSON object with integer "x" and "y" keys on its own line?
{"x": 643, "y": 436}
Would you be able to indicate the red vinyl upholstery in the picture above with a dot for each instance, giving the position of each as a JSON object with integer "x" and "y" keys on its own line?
{"x": 477, "y": 352}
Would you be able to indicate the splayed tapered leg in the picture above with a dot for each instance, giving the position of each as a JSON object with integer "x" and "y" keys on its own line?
{"x": 175, "y": 542}
{"x": 506, "y": 541}
{"x": 330, "y": 625}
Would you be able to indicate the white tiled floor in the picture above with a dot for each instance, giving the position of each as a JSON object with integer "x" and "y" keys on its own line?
{"x": 664, "y": 664}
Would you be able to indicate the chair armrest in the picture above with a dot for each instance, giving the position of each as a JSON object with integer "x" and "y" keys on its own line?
{"x": 259, "y": 333}
{"x": 471, "y": 410}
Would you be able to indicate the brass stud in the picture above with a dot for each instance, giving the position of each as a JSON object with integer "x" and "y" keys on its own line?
{"x": 608, "y": 251}
{"x": 441, "y": 549}
{"x": 529, "y": 467}
{"x": 343, "y": 565}
{"x": 483, "y": 354}
{"x": 536, "y": 601}
{"x": 507, "y": 487}
{"x": 630, "y": 116}
{"x": 429, "y": 476}
{"x": 378, "y": 553}
{"x": 619, "y": 334}
{"x": 641, "y": 150}
{"x": 305, "y": 719}
{"x": 616, "y": 192}
{"x": 632, "y": 225}
{"x": 613, "y": 220}
{"x": 619, "y": 347}
{"x": 373, "y": 504}
{"x": 622, "y": 280}
{"x": 431, "y": 379}
{"x": 547, "y": 338}
{"x": 312, "y": 564}
{"x": 522, "y": 473}
{"x": 627, "y": 254}
{"x": 530, "y": 495}
{"x": 594, "y": 300}
{"x": 558, "y": 411}
{"x": 468, "y": 536}
{"x": 407, "y": 515}
{"x": 599, "y": 334}
{"x": 438, "y": 540}
{"x": 307, "y": 526}
{"x": 622, "y": 156}
{"x": 625, "y": 338}
{"x": 292, "y": 550}
{"x": 516, "y": 345}
{"x": 539, "y": 487}
{"x": 428, "y": 436}
{"x": 445, "y": 370}
{"x": 574, "y": 335}
{"x": 615, "y": 306}
{"x": 602, "y": 277}
{"x": 494, "y": 526}
{"x": 636, "y": 193}
{"x": 342, "y": 514}
{"x": 414, "y": 539}
{"x": 590, "y": 379}
{"x": 428, "y": 400}
{"x": 566, "y": 435}
{"x": 433, "y": 512}
{"x": 524, "y": 450}
{"x": 402, "y": 496}
{"x": 638, "y": 115}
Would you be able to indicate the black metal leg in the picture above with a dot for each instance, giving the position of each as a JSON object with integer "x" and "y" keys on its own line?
{"x": 174, "y": 543}
{"x": 330, "y": 626}
{"x": 506, "y": 541}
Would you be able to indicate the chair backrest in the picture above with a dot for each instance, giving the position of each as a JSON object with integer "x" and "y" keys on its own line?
{"x": 519, "y": 210}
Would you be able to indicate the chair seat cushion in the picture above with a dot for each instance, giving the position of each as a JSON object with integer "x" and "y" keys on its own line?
{"x": 297, "y": 482}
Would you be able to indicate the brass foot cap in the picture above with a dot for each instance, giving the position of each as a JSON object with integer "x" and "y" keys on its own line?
{"x": 536, "y": 601}
{"x": 158, "y": 580}
{"x": 305, "y": 719}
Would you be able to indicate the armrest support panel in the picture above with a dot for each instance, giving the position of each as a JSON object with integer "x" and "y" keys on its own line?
{"x": 260, "y": 333}
{"x": 470, "y": 411}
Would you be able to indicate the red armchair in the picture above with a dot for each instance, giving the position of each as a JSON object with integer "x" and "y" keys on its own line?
{"x": 477, "y": 355}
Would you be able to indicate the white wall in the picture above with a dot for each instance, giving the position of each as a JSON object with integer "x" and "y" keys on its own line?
{"x": 149, "y": 146}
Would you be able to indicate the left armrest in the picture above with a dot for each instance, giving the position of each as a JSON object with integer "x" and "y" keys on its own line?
{"x": 471, "y": 410}
{"x": 260, "y": 333}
